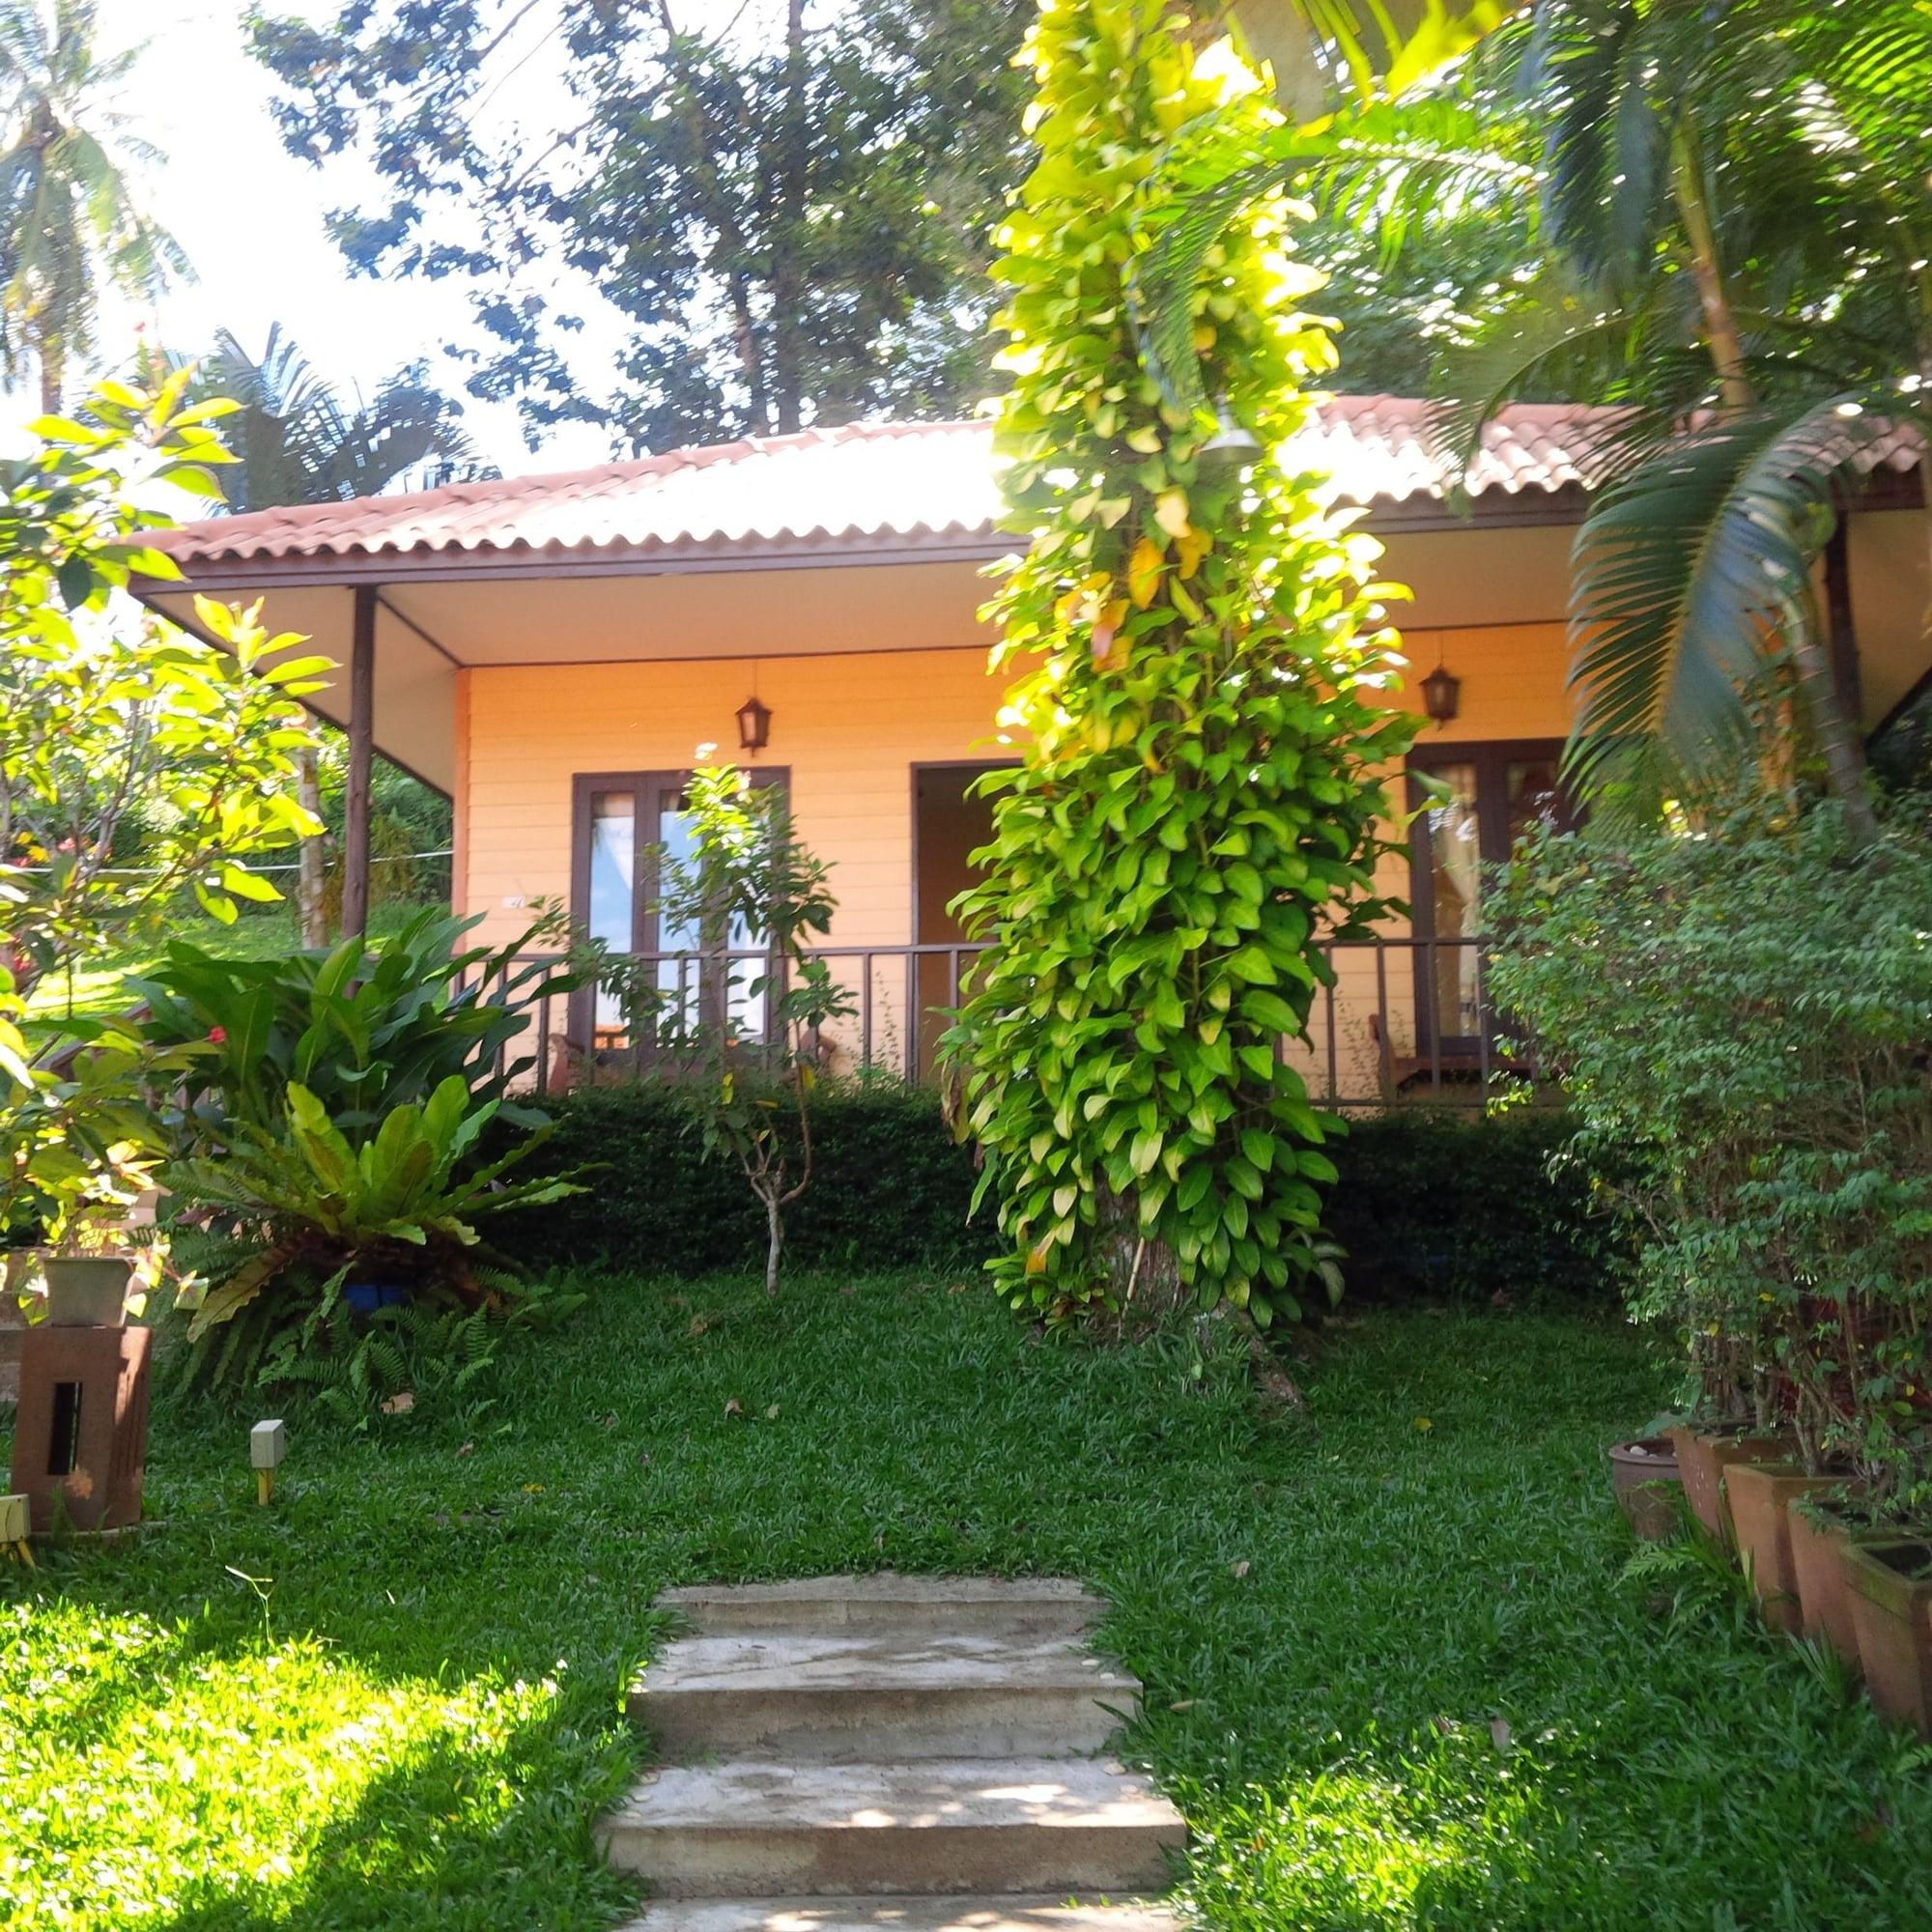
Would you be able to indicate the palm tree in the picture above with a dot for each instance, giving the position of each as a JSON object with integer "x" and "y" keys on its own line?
{"x": 71, "y": 221}
{"x": 1734, "y": 222}
{"x": 298, "y": 439}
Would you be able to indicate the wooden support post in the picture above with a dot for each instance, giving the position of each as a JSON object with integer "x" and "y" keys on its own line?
{"x": 13, "y": 1526}
{"x": 1841, "y": 628}
{"x": 362, "y": 751}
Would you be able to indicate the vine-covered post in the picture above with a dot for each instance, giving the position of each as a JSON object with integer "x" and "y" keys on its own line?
{"x": 1202, "y": 669}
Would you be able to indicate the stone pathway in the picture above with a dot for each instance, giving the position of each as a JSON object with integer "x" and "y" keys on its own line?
{"x": 890, "y": 1755}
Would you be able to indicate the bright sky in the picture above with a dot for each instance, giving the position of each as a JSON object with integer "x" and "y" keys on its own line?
{"x": 250, "y": 218}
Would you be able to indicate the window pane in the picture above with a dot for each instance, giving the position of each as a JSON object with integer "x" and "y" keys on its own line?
{"x": 1455, "y": 871}
{"x": 678, "y": 980}
{"x": 614, "y": 850}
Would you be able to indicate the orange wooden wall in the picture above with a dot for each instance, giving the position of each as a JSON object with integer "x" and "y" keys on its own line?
{"x": 847, "y": 728}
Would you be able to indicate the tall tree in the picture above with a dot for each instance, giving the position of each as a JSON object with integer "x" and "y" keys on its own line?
{"x": 71, "y": 221}
{"x": 1733, "y": 231}
{"x": 787, "y": 212}
{"x": 297, "y": 438}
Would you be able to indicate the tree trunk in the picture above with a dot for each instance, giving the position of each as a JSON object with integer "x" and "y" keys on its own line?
{"x": 52, "y": 359}
{"x": 775, "y": 1235}
{"x": 718, "y": 210}
{"x": 1838, "y": 740}
{"x": 1720, "y": 325}
{"x": 312, "y": 866}
{"x": 787, "y": 290}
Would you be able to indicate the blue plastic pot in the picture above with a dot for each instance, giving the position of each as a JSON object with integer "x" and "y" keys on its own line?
{"x": 365, "y": 1297}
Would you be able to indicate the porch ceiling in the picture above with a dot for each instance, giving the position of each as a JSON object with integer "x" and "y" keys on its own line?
{"x": 427, "y": 630}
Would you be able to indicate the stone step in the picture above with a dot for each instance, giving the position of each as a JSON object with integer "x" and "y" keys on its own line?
{"x": 948, "y": 1605}
{"x": 899, "y": 1913}
{"x": 749, "y": 1830}
{"x": 828, "y": 1698}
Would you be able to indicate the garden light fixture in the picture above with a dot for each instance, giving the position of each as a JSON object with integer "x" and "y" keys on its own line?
{"x": 754, "y": 724}
{"x": 1442, "y": 694}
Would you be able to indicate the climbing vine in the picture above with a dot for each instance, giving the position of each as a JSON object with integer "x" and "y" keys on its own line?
{"x": 1200, "y": 650}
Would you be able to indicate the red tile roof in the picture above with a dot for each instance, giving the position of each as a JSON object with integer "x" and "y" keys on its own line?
{"x": 868, "y": 484}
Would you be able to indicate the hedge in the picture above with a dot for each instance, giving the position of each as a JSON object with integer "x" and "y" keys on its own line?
{"x": 889, "y": 1189}
{"x": 1439, "y": 1202}
{"x": 1428, "y": 1203}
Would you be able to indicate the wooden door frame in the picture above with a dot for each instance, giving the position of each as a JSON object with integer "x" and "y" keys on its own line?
{"x": 1492, "y": 759}
{"x": 919, "y": 765}
{"x": 641, "y": 786}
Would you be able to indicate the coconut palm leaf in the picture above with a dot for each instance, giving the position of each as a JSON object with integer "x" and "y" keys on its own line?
{"x": 1551, "y": 340}
{"x": 1693, "y": 575}
{"x": 298, "y": 440}
{"x": 1372, "y": 166}
{"x": 71, "y": 223}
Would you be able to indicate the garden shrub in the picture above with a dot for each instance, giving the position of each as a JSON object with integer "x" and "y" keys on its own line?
{"x": 1743, "y": 1016}
{"x": 893, "y": 1188}
{"x": 333, "y": 1113}
{"x": 1436, "y": 1202}
{"x": 1428, "y": 1203}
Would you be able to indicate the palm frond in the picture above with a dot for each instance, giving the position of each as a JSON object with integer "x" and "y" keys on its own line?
{"x": 1377, "y": 166}
{"x": 1550, "y": 339}
{"x": 1690, "y": 571}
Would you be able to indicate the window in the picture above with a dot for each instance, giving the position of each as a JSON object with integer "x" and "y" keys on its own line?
{"x": 619, "y": 821}
{"x": 1496, "y": 792}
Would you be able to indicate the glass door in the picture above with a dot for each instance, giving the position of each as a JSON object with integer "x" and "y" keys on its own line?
{"x": 1496, "y": 793}
{"x": 623, "y": 822}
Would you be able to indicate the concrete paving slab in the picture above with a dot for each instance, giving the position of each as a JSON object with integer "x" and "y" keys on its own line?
{"x": 741, "y": 1830}
{"x": 889, "y": 1601}
{"x": 900, "y": 1915}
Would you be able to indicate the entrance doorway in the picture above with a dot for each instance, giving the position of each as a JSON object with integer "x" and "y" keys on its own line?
{"x": 950, "y": 823}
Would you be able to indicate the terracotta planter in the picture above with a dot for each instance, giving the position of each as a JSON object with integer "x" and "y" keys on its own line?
{"x": 1889, "y": 1584}
{"x": 88, "y": 1291}
{"x": 1824, "y": 1597}
{"x": 1701, "y": 1462}
{"x": 1643, "y": 1475}
{"x": 1760, "y": 1495}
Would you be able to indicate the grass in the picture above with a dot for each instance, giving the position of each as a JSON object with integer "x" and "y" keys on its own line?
{"x": 1395, "y": 1675}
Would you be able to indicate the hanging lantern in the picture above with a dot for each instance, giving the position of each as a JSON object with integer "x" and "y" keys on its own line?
{"x": 1442, "y": 694}
{"x": 755, "y": 726}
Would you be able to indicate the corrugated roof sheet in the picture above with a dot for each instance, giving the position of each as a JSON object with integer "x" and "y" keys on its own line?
{"x": 868, "y": 483}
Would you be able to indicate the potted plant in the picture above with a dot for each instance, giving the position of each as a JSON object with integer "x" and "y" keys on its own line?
{"x": 1648, "y": 1487}
{"x": 79, "y": 1147}
{"x": 1760, "y": 1497}
{"x": 1821, "y": 1533}
{"x": 1888, "y": 1584}
{"x": 1704, "y": 1457}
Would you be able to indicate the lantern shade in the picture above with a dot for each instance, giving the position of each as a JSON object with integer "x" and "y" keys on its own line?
{"x": 755, "y": 726}
{"x": 1441, "y": 694}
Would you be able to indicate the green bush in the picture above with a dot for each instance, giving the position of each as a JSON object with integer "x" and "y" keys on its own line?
{"x": 1428, "y": 1203}
{"x": 1743, "y": 1017}
{"x": 891, "y": 1188}
{"x": 1439, "y": 1203}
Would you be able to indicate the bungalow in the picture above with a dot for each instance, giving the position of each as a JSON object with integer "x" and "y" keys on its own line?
{"x": 552, "y": 651}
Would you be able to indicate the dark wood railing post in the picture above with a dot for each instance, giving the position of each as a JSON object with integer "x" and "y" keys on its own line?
{"x": 361, "y": 753}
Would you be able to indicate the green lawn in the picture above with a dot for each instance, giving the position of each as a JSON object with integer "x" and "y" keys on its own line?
{"x": 392, "y": 1699}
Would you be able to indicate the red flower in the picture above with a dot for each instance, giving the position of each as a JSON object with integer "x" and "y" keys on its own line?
{"x": 217, "y": 1036}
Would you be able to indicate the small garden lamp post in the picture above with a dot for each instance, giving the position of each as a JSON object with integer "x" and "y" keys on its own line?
{"x": 268, "y": 1444}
